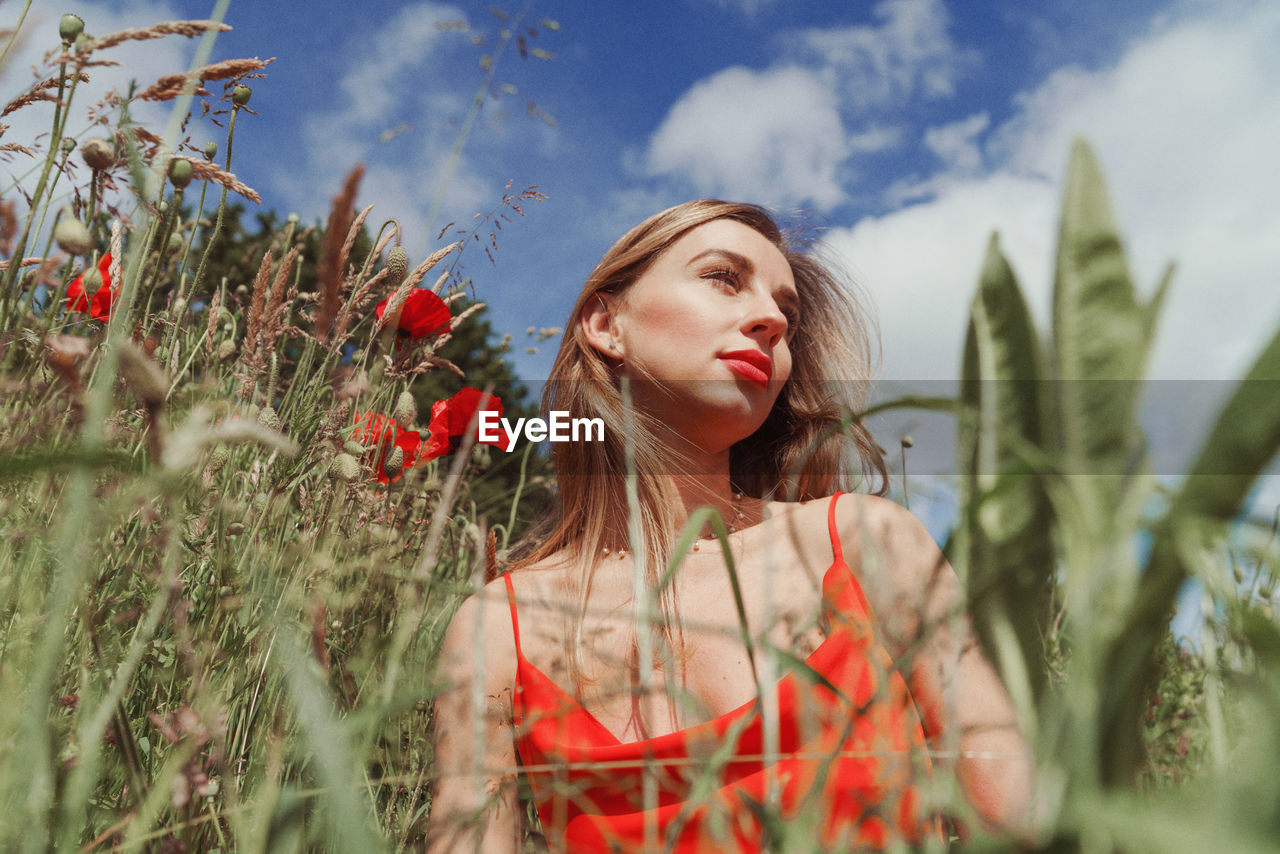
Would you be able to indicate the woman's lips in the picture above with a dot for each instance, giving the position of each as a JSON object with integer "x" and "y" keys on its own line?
{"x": 751, "y": 365}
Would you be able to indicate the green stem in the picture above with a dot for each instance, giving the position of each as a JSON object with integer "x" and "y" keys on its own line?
{"x": 222, "y": 203}
{"x": 13, "y": 34}
{"x": 55, "y": 139}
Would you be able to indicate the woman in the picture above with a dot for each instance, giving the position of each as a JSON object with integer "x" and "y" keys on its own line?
{"x": 821, "y": 682}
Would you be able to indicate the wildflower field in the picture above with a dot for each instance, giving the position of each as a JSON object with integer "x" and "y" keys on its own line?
{"x": 240, "y": 498}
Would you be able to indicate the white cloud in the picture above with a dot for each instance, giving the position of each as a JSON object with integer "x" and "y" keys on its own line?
{"x": 1188, "y": 148}
{"x": 397, "y": 110}
{"x": 773, "y": 136}
{"x": 875, "y": 138}
{"x": 920, "y": 265}
{"x": 750, "y": 8}
{"x": 907, "y": 53}
{"x": 778, "y": 135}
{"x": 956, "y": 144}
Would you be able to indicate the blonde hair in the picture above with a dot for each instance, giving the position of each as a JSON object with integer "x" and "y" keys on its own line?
{"x": 799, "y": 452}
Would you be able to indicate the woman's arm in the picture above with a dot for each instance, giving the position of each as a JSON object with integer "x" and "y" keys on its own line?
{"x": 474, "y": 805}
{"x": 965, "y": 706}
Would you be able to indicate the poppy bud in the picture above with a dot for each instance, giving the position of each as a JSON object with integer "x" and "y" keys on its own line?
{"x": 268, "y": 418}
{"x": 353, "y": 448}
{"x": 908, "y": 442}
{"x": 98, "y": 153}
{"x": 406, "y": 410}
{"x": 226, "y": 349}
{"x": 91, "y": 281}
{"x": 292, "y": 218}
{"x": 235, "y": 529}
{"x": 218, "y": 459}
{"x": 180, "y": 172}
{"x": 69, "y": 27}
{"x": 397, "y": 266}
{"x": 68, "y": 144}
{"x": 344, "y": 467}
{"x": 71, "y": 235}
{"x": 241, "y": 95}
{"x": 394, "y": 464}
{"x": 210, "y": 150}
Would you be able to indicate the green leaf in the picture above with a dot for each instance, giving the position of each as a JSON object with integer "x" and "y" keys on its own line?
{"x": 1244, "y": 439}
{"x": 1008, "y": 554}
{"x": 1101, "y": 332}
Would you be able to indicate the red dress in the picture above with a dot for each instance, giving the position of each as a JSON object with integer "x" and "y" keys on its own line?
{"x": 849, "y": 751}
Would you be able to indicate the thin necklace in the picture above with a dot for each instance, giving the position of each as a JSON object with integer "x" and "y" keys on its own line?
{"x": 738, "y": 518}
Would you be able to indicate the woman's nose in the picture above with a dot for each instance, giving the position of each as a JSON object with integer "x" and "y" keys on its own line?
{"x": 765, "y": 318}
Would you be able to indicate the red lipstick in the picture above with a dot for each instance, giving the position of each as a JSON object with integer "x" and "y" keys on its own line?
{"x": 751, "y": 365}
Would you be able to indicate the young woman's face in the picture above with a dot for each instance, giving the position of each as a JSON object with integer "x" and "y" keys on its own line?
{"x": 711, "y": 320}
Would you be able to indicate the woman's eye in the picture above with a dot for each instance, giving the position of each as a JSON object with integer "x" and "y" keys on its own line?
{"x": 728, "y": 277}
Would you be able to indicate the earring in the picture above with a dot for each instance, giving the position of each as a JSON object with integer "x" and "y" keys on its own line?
{"x": 613, "y": 345}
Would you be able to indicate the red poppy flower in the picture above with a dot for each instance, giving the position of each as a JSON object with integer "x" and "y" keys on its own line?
{"x": 379, "y": 434}
{"x": 99, "y": 307}
{"x": 450, "y": 419}
{"x": 422, "y": 314}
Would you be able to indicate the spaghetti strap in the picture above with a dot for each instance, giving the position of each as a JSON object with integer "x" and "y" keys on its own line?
{"x": 831, "y": 526}
{"x": 515, "y": 623}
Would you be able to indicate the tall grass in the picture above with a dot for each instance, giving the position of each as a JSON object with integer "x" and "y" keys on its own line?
{"x": 217, "y": 627}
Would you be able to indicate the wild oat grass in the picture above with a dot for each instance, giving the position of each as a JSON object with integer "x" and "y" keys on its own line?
{"x": 217, "y": 628}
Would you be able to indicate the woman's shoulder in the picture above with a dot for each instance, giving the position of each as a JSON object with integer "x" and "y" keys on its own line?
{"x": 480, "y": 639}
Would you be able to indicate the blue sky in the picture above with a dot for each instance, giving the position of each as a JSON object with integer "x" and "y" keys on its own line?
{"x": 906, "y": 130}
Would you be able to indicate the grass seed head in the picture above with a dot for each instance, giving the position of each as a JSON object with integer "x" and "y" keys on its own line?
{"x": 268, "y": 418}
{"x": 98, "y": 154}
{"x": 143, "y": 375}
{"x": 71, "y": 236}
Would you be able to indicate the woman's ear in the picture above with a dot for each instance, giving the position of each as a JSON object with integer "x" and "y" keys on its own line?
{"x": 599, "y": 321}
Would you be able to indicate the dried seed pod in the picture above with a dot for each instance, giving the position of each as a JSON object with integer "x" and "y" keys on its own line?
{"x": 344, "y": 467}
{"x": 226, "y": 349}
{"x": 397, "y": 266}
{"x": 70, "y": 27}
{"x": 406, "y": 411}
{"x": 908, "y": 441}
{"x": 71, "y": 235}
{"x": 98, "y": 153}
